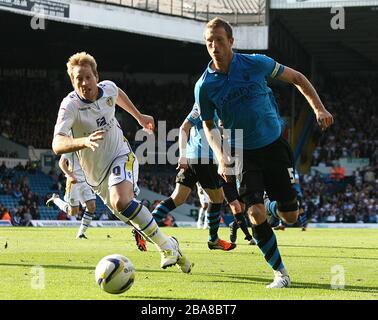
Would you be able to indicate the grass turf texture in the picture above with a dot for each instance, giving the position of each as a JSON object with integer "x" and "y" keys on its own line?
{"x": 69, "y": 265}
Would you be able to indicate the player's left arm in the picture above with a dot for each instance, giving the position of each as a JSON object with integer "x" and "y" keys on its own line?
{"x": 184, "y": 132}
{"x": 146, "y": 121}
{"x": 324, "y": 118}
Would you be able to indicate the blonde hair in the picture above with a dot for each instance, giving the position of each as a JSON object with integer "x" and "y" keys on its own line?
{"x": 220, "y": 23}
{"x": 80, "y": 59}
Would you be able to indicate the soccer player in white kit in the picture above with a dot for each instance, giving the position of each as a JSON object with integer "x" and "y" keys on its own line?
{"x": 77, "y": 192}
{"x": 204, "y": 200}
{"x": 110, "y": 166}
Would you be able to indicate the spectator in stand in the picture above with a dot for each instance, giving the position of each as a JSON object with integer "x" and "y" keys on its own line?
{"x": 337, "y": 172}
{"x": 104, "y": 215}
{"x": 4, "y": 214}
{"x": 62, "y": 216}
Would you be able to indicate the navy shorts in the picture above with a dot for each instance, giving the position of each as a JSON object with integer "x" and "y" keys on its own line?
{"x": 269, "y": 169}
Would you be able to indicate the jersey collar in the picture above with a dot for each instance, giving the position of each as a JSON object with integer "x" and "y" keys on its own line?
{"x": 211, "y": 70}
{"x": 99, "y": 95}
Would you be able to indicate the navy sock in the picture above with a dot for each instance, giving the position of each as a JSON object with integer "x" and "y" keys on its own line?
{"x": 266, "y": 241}
{"x": 302, "y": 220}
{"x": 272, "y": 208}
{"x": 242, "y": 223}
{"x": 213, "y": 220}
{"x": 162, "y": 209}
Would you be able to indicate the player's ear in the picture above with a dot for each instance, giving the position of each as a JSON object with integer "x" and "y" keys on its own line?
{"x": 231, "y": 41}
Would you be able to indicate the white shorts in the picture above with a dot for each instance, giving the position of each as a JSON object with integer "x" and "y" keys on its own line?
{"x": 77, "y": 193}
{"x": 125, "y": 167}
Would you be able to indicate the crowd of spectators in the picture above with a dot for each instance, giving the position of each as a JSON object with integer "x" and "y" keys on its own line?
{"x": 29, "y": 119}
{"x": 19, "y": 189}
{"x": 353, "y": 103}
{"x": 164, "y": 184}
{"x": 350, "y": 200}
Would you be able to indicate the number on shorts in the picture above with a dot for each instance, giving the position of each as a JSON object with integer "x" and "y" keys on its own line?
{"x": 117, "y": 170}
{"x": 291, "y": 175}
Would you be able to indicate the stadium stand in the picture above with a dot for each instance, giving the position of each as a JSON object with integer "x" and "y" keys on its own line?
{"x": 28, "y": 118}
{"x": 236, "y": 11}
{"x": 356, "y": 132}
{"x": 354, "y": 102}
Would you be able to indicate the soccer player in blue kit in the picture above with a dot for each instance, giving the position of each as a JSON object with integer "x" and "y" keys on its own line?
{"x": 235, "y": 87}
{"x": 196, "y": 165}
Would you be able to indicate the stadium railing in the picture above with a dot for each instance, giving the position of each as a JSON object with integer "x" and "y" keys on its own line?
{"x": 235, "y": 11}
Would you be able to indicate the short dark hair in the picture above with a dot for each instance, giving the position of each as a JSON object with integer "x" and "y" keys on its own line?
{"x": 220, "y": 23}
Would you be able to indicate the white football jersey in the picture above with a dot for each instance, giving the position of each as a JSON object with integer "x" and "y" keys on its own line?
{"x": 80, "y": 118}
{"x": 74, "y": 166}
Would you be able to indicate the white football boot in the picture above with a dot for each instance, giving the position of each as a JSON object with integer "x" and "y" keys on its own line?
{"x": 281, "y": 280}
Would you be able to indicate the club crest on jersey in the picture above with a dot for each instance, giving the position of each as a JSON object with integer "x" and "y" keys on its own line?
{"x": 109, "y": 101}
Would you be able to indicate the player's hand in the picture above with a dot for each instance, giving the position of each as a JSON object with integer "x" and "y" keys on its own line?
{"x": 224, "y": 171}
{"x": 324, "y": 119}
{"x": 72, "y": 178}
{"x": 182, "y": 163}
{"x": 90, "y": 141}
{"x": 147, "y": 122}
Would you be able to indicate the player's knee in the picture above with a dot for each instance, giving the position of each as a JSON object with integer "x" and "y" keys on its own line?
{"x": 256, "y": 213}
{"x": 288, "y": 210}
{"x": 179, "y": 199}
{"x": 73, "y": 211}
{"x": 215, "y": 195}
{"x": 120, "y": 204}
{"x": 289, "y": 217}
{"x": 91, "y": 207}
{"x": 235, "y": 207}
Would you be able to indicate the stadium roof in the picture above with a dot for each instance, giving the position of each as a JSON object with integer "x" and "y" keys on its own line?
{"x": 354, "y": 48}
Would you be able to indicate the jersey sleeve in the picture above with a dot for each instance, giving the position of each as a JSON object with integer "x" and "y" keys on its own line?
{"x": 206, "y": 107}
{"x": 65, "y": 120}
{"x": 110, "y": 87}
{"x": 194, "y": 115}
{"x": 268, "y": 66}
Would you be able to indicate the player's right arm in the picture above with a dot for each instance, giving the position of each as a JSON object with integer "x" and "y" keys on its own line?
{"x": 63, "y": 142}
{"x": 64, "y": 167}
{"x": 214, "y": 138}
{"x": 212, "y": 133}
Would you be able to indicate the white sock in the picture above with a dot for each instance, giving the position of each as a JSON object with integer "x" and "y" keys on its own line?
{"x": 62, "y": 205}
{"x": 144, "y": 222}
{"x": 201, "y": 216}
{"x": 85, "y": 222}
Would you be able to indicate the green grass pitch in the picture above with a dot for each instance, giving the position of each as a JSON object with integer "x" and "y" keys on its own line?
{"x": 315, "y": 259}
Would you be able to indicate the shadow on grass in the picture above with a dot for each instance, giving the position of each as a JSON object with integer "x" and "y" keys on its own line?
{"x": 232, "y": 278}
{"x": 294, "y": 285}
{"x": 143, "y": 297}
{"x": 328, "y": 257}
{"x": 69, "y": 267}
{"x": 204, "y": 244}
{"x": 327, "y": 247}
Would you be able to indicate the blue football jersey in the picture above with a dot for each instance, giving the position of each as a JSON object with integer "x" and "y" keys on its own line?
{"x": 242, "y": 99}
{"x": 198, "y": 147}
